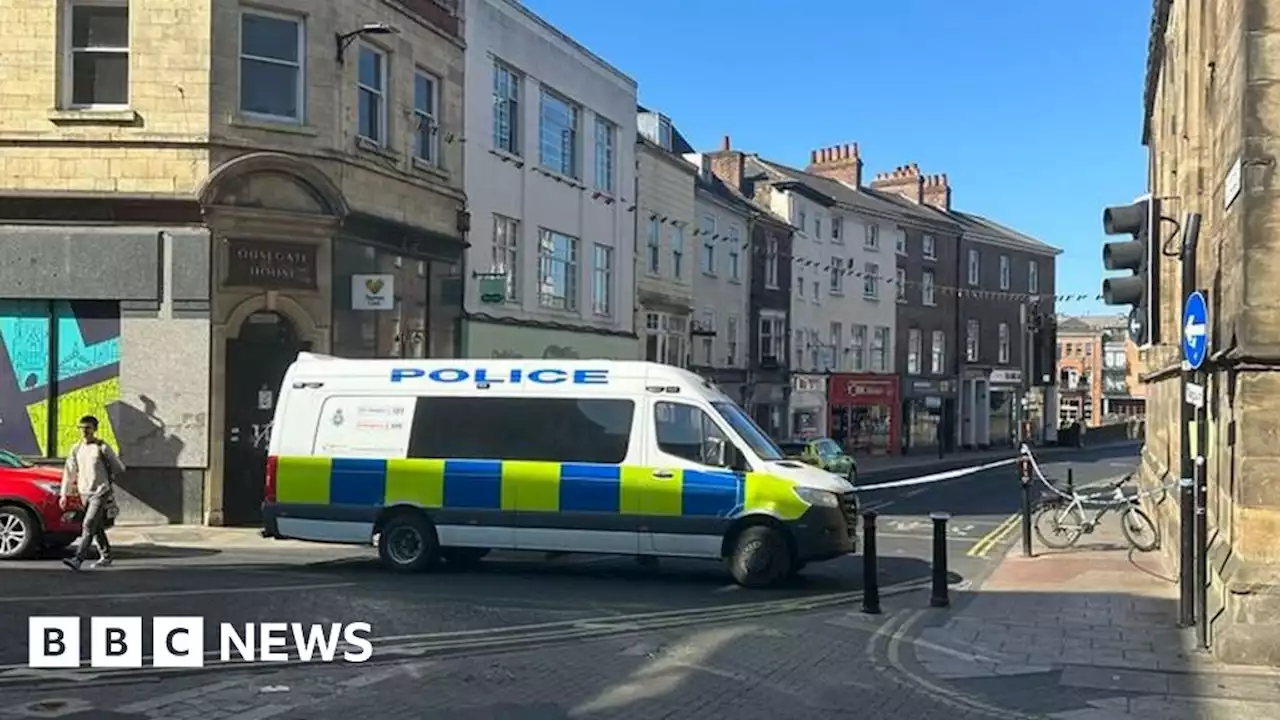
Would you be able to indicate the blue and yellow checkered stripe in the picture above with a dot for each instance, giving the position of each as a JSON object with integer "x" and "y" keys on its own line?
{"x": 520, "y": 486}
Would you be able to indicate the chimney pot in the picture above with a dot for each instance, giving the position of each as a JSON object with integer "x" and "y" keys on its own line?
{"x": 813, "y": 157}
{"x": 726, "y": 146}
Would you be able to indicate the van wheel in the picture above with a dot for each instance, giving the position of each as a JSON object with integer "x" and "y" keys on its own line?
{"x": 463, "y": 557}
{"x": 760, "y": 557}
{"x": 408, "y": 543}
{"x": 19, "y": 533}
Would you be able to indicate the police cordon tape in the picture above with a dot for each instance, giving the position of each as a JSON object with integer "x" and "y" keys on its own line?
{"x": 398, "y": 648}
{"x": 936, "y": 477}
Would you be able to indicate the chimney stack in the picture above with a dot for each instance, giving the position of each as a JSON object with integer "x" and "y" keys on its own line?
{"x": 937, "y": 192}
{"x": 906, "y": 181}
{"x": 838, "y": 162}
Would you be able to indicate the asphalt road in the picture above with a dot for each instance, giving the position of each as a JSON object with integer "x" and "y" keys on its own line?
{"x": 551, "y": 611}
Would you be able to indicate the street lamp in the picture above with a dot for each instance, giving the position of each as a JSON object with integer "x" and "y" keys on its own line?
{"x": 344, "y": 40}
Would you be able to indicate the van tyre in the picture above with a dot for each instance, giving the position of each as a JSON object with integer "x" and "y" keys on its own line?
{"x": 408, "y": 543}
{"x": 761, "y": 558}
{"x": 19, "y": 533}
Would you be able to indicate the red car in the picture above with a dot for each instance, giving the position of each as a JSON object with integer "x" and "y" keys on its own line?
{"x": 30, "y": 519}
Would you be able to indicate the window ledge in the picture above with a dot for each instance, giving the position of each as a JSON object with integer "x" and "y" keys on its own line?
{"x": 837, "y": 293}
{"x": 561, "y": 177}
{"x": 429, "y": 168}
{"x": 116, "y": 116}
{"x": 280, "y": 126}
{"x": 505, "y": 156}
{"x": 871, "y": 298}
{"x": 930, "y": 258}
{"x": 736, "y": 281}
{"x": 364, "y": 144}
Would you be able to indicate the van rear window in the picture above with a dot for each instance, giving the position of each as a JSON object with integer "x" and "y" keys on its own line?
{"x": 502, "y": 428}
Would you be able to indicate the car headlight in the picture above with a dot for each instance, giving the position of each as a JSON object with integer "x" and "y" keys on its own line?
{"x": 817, "y": 498}
{"x": 52, "y": 488}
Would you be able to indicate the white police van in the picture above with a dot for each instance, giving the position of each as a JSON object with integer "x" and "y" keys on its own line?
{"x": 445, "y": 460}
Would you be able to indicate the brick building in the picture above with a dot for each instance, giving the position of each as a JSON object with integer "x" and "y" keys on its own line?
{"x": 1210, "y": 126}
{"x": 1080, "y": 361}
{"x": 191, "y": 193}
{"x": 1000, "y": 277}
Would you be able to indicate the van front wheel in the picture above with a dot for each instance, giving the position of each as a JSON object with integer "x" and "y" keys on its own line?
{"x": 408, "y": 543}
{"x": 760, "y": 558}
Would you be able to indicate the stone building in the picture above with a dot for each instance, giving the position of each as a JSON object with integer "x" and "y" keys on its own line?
{"x": 1210, "y": 124}
{"x": 190, "y": 194}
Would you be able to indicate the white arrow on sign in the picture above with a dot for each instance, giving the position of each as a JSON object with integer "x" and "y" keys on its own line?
{"x": 1193, "y": 330}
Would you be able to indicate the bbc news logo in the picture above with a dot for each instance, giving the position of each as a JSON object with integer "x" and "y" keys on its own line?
{"x": 179, "y": 642}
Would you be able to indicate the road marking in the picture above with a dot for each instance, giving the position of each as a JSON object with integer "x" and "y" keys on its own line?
{"x": 991, "y": 539}
{"x": 171, "y": 593}
{"x": 921, "y": 537}
{"x": 953, "y": 698}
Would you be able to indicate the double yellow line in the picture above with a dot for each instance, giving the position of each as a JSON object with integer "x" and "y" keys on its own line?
{"x": 988, "y": 542}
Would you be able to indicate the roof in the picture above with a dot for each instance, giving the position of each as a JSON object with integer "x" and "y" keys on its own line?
{"x": 834, "y": 192}
{"x": 978, "y": 223}
{"x": 729, "y": 195}
{"x": 1091, "y": 324}
{"x": 875, "y": 202}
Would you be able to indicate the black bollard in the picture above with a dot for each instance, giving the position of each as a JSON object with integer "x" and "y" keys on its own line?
{"x": 870, "y": 566}
{"x": 940, "y": 598}
{"x": 1024, "y": 473}
{"x": 1071, "y": 481}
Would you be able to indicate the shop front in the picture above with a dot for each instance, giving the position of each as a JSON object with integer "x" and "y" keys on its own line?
{"x": 396, "y": 295}
{"x": 1005, "y": 406}
{"x": 498, "y": 339}
{"x": 864, "y": 410}
{"x": 928, "y": 411}
{"x": 808, "y": 406}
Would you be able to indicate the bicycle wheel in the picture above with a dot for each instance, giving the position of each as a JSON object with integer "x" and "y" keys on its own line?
{"x": 1051, "y": 530}
{"x": 1139, "y": 530}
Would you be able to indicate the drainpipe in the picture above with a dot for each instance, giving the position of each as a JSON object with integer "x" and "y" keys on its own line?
{"x": 636, "y": 310}
{"x": 961, "y": 345}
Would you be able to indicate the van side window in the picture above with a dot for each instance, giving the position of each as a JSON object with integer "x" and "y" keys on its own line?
{"x": 683, "y": 430}
{"x": 499, "y": 428}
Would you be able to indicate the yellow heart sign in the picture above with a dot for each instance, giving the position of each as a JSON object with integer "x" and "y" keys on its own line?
{"x": 373, "y": 285}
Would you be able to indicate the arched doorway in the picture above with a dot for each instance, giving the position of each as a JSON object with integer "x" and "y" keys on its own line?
{"x": 257, "y": 358}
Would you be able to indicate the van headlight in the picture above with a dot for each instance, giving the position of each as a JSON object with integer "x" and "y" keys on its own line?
{"x": 817, "y": 498}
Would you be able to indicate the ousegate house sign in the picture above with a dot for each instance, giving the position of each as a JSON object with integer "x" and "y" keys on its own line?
{"x": 272, "y": 265}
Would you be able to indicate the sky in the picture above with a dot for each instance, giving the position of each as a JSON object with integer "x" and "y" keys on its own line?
{"x": 1032, "y": 109}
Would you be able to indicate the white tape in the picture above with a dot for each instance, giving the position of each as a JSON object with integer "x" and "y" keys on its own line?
{"x": 936, "y": 477}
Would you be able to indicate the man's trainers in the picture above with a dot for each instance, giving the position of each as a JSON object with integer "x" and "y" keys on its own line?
{"x": 73, "y": 563}
{"x": 101, "y": 563}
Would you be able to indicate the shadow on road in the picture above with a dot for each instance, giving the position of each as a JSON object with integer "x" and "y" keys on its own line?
{"x": 513, "y": 572}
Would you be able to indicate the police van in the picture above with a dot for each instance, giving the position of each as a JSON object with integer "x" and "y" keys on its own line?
{"x": 445, "y": 460}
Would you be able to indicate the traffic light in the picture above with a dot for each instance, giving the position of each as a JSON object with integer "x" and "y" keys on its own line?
{"x": 1141, "y": 256}
{"x": 1044, "y": 350}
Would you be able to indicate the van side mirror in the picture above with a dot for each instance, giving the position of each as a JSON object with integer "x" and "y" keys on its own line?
{"x": 713, "y": 452}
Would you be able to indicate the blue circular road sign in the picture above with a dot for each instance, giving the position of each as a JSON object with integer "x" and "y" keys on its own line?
{"x": 1195, "y": 329}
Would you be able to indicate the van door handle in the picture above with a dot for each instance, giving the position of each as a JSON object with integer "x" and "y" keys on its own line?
{"x": 664, "y": 474}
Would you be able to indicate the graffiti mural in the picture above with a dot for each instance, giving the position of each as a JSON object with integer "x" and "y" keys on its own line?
{"x": 59, "y": 361}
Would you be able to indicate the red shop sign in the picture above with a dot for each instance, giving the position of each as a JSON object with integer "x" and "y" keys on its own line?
{"x": 862, "y": 390}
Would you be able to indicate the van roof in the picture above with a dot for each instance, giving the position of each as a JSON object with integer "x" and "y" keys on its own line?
{"x": 309, "y": 363}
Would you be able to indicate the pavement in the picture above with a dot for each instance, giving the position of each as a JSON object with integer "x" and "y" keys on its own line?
{"x": 604, "y": 637}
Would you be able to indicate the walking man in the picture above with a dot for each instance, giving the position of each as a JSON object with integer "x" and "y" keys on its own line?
{"x": 91, "y": 467}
